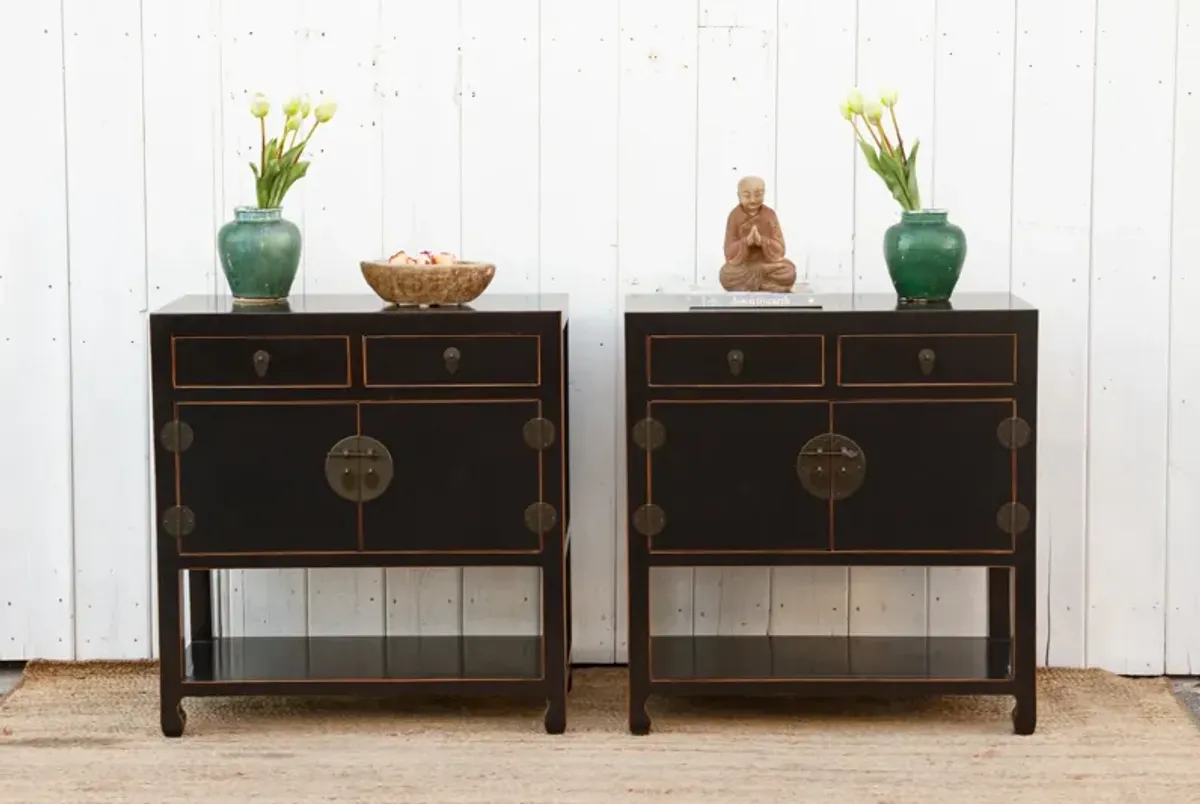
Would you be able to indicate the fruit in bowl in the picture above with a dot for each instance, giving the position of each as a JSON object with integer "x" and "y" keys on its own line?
{"x": 428, "y": 278}
{"x": 423, "y": 258}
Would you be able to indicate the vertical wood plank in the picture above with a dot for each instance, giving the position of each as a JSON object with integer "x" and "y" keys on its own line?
{"x": 182, "y": 96}
{"x": 972, "y": 178}
{"x": 1130, "y": 329}
{"x": 578, "y": 246}
{"x": 815, "y": 203}
{"x": 36, "y": 574}
{"x": 738, "y": 43}
{"x": 656, "y": 233}
{"x": 104, "y": 144}
{"x": 343, "y": 224}
{"x": 1183, "y": 473}
{"x": 1051, "y": 213}
{"x": 422, "y": 209}
{"x": 895, "y": 48}
{"x": 260, "y": 52}
{"x": 500, "y": 223}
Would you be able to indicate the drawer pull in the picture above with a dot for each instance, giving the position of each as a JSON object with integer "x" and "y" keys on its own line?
{"x": 926, "y": 358}
{"x": 262, "y": 360}
{"x": 451, "y": 356}
{"x": 736, "y": 360}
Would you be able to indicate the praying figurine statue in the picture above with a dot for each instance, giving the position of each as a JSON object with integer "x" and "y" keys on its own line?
{"x": 754, "y": 244}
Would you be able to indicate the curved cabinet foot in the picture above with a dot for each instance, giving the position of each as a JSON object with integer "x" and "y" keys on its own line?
{"x": 1024, "y": 717}
{"x": 639, "y": 720}
{"x": 556, "y": 717}
{"x": 173, "y": 719}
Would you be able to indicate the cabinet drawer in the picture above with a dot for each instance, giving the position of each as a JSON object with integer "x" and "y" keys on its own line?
{"x": 394, "y": 361}
{"x": 933, "y": 359}
{"x": 280, "y": 361}
{"x": 697, "y": 361}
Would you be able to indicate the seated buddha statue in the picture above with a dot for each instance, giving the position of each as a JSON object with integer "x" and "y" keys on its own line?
{"x": 754, "y": 249}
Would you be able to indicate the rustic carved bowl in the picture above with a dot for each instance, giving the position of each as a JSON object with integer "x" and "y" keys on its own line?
{"x": 428, "y": 285}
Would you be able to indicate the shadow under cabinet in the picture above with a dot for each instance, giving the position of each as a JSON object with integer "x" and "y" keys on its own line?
{"x": 337, "y": 432}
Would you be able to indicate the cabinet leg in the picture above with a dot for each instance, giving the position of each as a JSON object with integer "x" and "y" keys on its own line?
{"x": 570, "y": 678}
{"x": 639, "y": 719}
{"x": 173, "y": 718}
{"x": 556, "y": 715}
{"x": 1024, "y": 716}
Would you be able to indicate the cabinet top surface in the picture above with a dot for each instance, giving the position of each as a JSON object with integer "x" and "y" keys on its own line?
{"x": 365, "y": 304}
{"x": 814, "y": 303}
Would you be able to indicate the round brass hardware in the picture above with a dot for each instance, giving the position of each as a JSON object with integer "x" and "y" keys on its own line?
{"x": 178, "y": 520}
{"x": 262, "y": 360}
{"x": 831, "y": 466}
{"x": 1013, "y": 518}
{"x": 649, "y": 520}
{"x": 539, "y": 433}
{"x": 359, "y": 468}
{"x": 736, "y": 360}
{"x": 1013, "y": 433}
{"x": 649, "y": 434}
{"x": 926, "y": 359}
{"x": 176, "y": 436}
{"x": 451, "y": 357}
{"x": 540, "y": 517}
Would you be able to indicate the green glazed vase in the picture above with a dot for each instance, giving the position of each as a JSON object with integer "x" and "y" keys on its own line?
{"x": 260, "y": 254}
{"x": 924, "y": 254}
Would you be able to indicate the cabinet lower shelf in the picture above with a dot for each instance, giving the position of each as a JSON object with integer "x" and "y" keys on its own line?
{"x": 251, "y": 665}
{"x": 981, "y": 661}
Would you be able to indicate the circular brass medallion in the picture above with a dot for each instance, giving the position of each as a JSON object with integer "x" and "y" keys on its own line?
{"x": 831, "y": 466}
{"x": 359, "y": 468}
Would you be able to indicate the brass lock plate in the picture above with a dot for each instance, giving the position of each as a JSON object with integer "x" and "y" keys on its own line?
{"x": 831, "y": 466}
{"x": 359, "y": 468}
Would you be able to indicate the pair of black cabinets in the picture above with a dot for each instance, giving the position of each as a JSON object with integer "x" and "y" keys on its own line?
{"x": 337, "y": 432}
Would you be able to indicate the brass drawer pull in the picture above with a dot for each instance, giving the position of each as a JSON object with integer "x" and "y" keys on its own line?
{"x": 262, "y": 360}
{"x": 926, "y": 358}
{"x": 451, "y": 356}
{"x": 736, "y": 361}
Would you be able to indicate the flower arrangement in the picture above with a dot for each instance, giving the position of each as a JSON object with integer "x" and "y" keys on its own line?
{"x": 897, "y": 168}
{"x": 280, "y": 165}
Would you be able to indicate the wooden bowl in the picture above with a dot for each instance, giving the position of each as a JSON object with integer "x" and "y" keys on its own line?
{"x": 428, "y": 285}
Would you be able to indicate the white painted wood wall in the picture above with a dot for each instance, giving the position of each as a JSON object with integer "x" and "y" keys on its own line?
{"x": 592, "y": 147}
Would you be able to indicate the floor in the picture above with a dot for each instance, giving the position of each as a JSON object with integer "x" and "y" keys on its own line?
{"x": 1188, "y": 689}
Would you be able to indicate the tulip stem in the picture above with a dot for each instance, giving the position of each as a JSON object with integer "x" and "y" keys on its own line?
{"x": 884, "y": 137}
{"x": 899, "y": 139}
{"x": 262, "y": 127}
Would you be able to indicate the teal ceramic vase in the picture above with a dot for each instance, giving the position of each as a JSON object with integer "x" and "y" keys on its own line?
{"x": 924, "y": 254}
{"x": 260, "y": 254}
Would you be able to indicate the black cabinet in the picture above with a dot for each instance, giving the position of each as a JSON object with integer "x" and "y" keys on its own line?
{"x": 341, "y": 432}
{"x": 856, "y": 434}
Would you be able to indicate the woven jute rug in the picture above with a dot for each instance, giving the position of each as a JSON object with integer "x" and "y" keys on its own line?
{"x": 89, "y": 733}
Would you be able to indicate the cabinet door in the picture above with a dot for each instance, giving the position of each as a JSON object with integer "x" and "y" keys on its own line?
{"x": 463, "y": 479}
{"x": 725, "y": 476}
{"x": 935, "y": 478}
{"x": 253, "y": 478}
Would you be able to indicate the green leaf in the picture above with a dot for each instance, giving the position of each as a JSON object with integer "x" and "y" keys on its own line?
{"x": 914, "y": 194}
{"x": 869, "y": 153}
{"x": 291, "y": 154}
